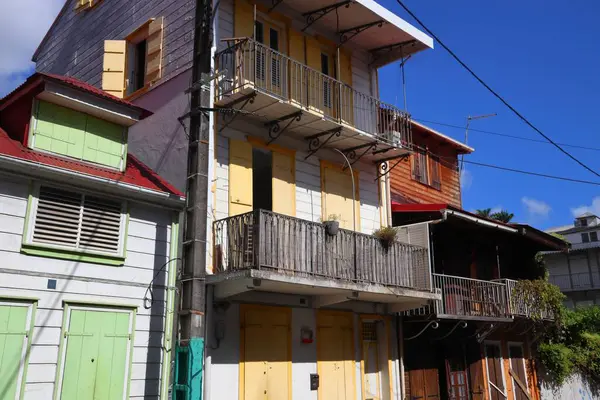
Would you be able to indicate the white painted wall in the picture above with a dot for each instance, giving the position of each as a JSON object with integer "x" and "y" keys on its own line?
{"x": 148, "y": 247}
{"x": 308, "y": 178}
{"x": 573, "y": 389}
{"x": 226, "y": 355}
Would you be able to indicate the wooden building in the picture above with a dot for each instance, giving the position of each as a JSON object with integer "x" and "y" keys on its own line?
{"x": 88, "y": 239}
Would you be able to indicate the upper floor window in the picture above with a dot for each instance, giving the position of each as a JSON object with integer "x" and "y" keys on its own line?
{"x": 593, "y": 236}
{"x": 583, "y": 222}
{"x": 133, "y": 64}
{"x": 426, "y": 169}
{"x": 67, "y": 220}
{"x": 585, "y": 237}
{"x": 85, "y": 4}
{"x": 71, "y": 133}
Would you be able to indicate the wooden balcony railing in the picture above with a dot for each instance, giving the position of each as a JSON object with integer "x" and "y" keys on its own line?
{"x": 268, "y": 241}
{"x": 246, "y": 63}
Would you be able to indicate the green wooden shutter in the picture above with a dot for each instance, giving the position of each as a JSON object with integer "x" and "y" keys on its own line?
{"x": 103, "y": 142}
{"x": 96, "y": 366}
{"x": 59, "y": 130}
{"x": 13, "y": 334}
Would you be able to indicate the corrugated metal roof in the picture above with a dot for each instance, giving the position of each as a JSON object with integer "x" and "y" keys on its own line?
{"x": 136, "y": 173}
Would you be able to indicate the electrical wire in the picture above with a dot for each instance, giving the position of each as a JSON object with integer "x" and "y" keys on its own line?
{"x": 149, "y": 294}
{"x": 562, "y": 178}
{"x": 493, "y": 92}
{"x": 504, "y": 134}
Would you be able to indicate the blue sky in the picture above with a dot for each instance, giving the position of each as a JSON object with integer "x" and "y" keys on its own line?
{"x": 542, "y": 56}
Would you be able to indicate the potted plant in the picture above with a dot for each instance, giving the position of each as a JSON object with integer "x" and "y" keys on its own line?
{"x": 332, "y": 224}
{"x": 386, "y": 235}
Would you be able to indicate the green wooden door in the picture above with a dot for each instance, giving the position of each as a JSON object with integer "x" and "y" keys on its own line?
{"x": 14, "y": 327}
{"x": 96, "y": 364}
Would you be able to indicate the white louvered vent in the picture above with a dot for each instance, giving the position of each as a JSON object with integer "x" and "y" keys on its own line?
{"x": 77, "y": 221}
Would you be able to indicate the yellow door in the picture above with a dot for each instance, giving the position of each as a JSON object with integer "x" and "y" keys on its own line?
{"x": 337, "y": 195}
{"x": 240, "y": 177}
{"x": 284, "y": 184}
{"x": 267, "y": 359}
{"x": 335, "y": 356}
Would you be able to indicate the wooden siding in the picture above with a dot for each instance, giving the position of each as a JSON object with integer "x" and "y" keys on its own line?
{"x": 75, "y": 43}
{"x": 148, "y": 246}
{"x": 407, "y": 190}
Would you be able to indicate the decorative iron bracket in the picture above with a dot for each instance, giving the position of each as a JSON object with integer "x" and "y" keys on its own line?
{"x": 275, "y": 129}
{"x": 314, "y": 141}
{"x": 351, "y": 152}
{"x": 348, "y": 34}
{"x": 391, "y": 47}
{"x": 314, "y": 16}
{"x": 433, "y": 324}
{"x": 484, "y": 332}
{"x": 386, "y": 169}
{"x": 247, "y": 99}
{"x": 274, "y": 4}
{"x": 462, "y": 324}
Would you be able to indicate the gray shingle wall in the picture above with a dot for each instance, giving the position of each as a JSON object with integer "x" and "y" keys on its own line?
{"x": 75, "y": 45}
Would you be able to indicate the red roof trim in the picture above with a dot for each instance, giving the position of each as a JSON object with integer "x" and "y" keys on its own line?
{"x": 417, "y": 207}
{"x": 136, "y": 173}
{"x": 38, "y": 78}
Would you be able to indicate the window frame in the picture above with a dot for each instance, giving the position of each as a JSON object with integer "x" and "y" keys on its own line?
{"x": 585, "y": 237}
{"x": 430, "y": 163}
{"x": 28, "y": 246}
{"x": 593, "y": 236}
{"x": 86, "y": 4}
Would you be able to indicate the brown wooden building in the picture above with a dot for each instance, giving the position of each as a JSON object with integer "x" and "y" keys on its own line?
{"x": 431, "y": 174}
{"x": 474, "y": 343}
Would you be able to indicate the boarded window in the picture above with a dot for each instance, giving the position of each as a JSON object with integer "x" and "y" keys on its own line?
{"x": 436, "y": 179}
{"x": 85, "y": 4}
{"x": 518, "y": 372}
{"x": 78, "y": 221}
{"x": 495, "y": 371}
{"x": 71, "y": 133}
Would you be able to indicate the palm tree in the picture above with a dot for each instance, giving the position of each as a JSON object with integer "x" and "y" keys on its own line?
{"x": 484, "y": 212}
{"x": 503, "y": 216}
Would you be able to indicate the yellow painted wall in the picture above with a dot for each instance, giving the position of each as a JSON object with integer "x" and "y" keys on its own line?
{"x": 336, "y": 194}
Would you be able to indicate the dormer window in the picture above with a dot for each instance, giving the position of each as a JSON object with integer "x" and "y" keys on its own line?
{"x": 583, "y": 222}
{"x": 61, "y": 130}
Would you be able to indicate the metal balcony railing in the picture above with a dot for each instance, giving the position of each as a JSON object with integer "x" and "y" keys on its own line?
{"x": 466, "y": 297}
{"x": 519, "y": 305}
{"x": 250, "y": 64}
{"x": 264, "y": 240}
{"x": 576, "y": 281}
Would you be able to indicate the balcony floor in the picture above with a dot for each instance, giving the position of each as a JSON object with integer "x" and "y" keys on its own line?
{"x": 332, "y": 291}
{"x": 268, "y": 107}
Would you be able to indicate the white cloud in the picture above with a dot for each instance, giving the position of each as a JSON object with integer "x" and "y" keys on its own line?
{"x": 23, "y": 24}
{"x": 466, "y": 179}
{"x": 593, "y": 208}
{"x": 536, "y": 208}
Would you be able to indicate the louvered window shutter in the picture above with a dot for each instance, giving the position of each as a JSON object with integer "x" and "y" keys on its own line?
{"x": 113, "y": 67}
{"x": 77, "y": 221}
{"x": 154, "y": 45}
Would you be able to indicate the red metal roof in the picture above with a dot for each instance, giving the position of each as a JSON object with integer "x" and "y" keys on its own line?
{"x": 136, "y": 173}
{"x": 39, "y": 77}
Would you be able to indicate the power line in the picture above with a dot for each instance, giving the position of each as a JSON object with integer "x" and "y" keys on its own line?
{"x": 505, "y": 135}
{"x": 492, "y": 91}
{"x": 561, "y": 178}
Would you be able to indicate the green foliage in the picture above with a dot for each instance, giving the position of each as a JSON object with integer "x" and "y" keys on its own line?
{"x": 502, "y": 216}
{"x": 574, "y": 348}
{"x": 386, "y": 234}
{"x": 484, "y": 212}
{"x": 541, "y": 299}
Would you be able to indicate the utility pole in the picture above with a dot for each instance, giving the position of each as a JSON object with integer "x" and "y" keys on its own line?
{"x": 190, "y": 352}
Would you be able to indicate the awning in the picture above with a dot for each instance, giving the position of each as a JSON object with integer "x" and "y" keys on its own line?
{"x": 381, "y": 32}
